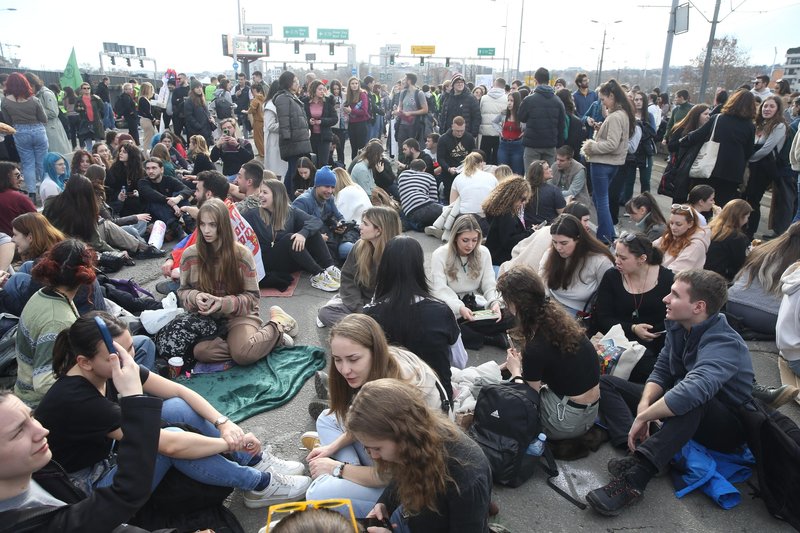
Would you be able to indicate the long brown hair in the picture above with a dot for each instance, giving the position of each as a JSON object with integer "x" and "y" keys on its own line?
{"x": 765, "y": 126}
{"x": 387, "y": 409}
{"x": 276, "y": 217}
{"x": 674, "y": 245}
{"x": 364, "y": 331}
{"x": 560, "y": 272}
{"x": 43, "y": 234}
{"x": 503, "y": 197}
{"x": 729, "y": 221}
{"x": 76, "y": 209}
{"x": 768, "y": 261}
{"x": 536, "y": 313}
{"x": 691, "y": 121}
{"x": 368, "y": 254}
{"x": 219, "y": 266}
{"x": 353, "y": 97}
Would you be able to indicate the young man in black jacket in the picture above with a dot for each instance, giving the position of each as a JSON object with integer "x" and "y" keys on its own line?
{"x": 451, "y": 151}
{"x": 164, "y": 196}
{"x": 35, "y": 493}
{"x": 544, "y": 117}
{"x": 461, "y": 103}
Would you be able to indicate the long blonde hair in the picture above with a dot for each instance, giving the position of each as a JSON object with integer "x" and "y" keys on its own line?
{"x": 200, "y": 144}
{"x": 219, "y": 267}
{"x": 389, "y": 409}
{"x": 146, "y": 90}
{"x": 343, "y": 180}
{"x": 767, "y": 262}
{"x": 368, "y": 254}
{"x": 276, "y": 217}
{"x": 453, "y": 263}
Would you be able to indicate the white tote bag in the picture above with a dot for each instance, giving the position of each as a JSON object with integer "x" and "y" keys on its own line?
{"x": 706, "y": 159}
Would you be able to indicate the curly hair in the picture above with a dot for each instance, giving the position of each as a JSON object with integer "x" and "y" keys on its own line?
{"x": 364, "y": 331}
{"x": 508, "y": 192}
{"x": 70, "y": 264}
{"x": 674, "y": 245}
{"x": 524, "y": 292}
{"x": 387, "y": 409}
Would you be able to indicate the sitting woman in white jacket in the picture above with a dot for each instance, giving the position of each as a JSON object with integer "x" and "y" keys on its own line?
{"x": 574, "y": 265}
{"x": 340, "y": 465}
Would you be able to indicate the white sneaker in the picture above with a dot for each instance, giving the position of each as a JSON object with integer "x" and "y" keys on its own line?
{"x": 275, "y": 465}
{"x": 324, "y": 282}
{"x": 288, "y": 341}
{"x": 319, "y": 323}
{"x": 279, "y": 316}
{"x": 334, "y": 273}
{"x": 281, "y": 489}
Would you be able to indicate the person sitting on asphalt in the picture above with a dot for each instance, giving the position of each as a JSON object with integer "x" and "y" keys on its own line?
{"x": 685, "y": 242}
{"x": 703, "y": 373}
{"x": 318, "y": 201}
{"x": 247, "y": 184}
{"x": 231, "y": 148}
{"x": 83, "y": 416}
{"x": 418, "y": 195}
{"x": 163, "y": 197}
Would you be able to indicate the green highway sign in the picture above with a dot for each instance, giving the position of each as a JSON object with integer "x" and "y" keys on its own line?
{"x": 295, "y": 32}
{"x": 485, "y": 51}
{"x": 333, "y": 34}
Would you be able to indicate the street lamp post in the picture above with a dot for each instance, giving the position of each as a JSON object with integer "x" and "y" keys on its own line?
{"x": 519, "y": 42}
{"x": 603, "y": 49}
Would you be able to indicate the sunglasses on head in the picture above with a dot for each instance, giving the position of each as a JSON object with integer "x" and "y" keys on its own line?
{"x": 681, "y": 207}
{"x": 292, "y": 507}
{"x": 627, "y": 236}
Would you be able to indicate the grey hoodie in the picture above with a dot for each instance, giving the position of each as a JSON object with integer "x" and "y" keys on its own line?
{"x": 417, "y": 372}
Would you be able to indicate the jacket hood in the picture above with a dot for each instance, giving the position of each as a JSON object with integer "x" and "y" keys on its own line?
{"x": 545, "y": 90}
{"x": 790, "y": 281}
{"x": 496, "y": 93}
{"x": 703, "y": 236}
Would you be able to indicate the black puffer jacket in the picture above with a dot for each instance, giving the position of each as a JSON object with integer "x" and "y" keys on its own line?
{"x": 107, "y": 507}
{"x": 198, "y": 120}
{"x": 329, "y": 118}
{"x": 462, "y": 105}
{"x": 544, "y": 117}
{"x": 295, "y": 137}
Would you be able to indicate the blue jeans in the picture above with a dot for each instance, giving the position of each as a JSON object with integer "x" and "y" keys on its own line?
{"x": 31, "y": 142}
{"x": 326, "y": 486}
{"x": 602, "y": 175}
{"x": 797, "y": 215}
{"x": 108, "y": 117}
{"x": 344, "y": 249}
{"x": 145, "y": 351}
{"x": 510, "y": 153}
{"x": 212, "y": 470}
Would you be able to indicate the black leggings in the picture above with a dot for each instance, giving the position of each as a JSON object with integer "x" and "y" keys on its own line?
{"x": 358, "y": 137}
{"x": 314, "y": 258}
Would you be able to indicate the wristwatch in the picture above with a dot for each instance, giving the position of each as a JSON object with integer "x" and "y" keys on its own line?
{"x": 219, "y": 421}
{"x": 338, "y": 470}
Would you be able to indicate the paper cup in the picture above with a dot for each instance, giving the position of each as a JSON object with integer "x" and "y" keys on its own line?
{"x": 175, "y": 366}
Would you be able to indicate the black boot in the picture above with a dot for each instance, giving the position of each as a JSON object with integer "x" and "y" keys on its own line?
{"x": 622, "y": 491}
{"x": 775, "y": 396}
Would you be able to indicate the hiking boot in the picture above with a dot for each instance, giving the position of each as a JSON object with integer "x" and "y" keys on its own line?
{"x": 316, "y": 407}
{"x": 310, "y": 440}
{"x": 166, "y": 287}
{"x": 275, "y": 465}
{"x": 434, "y": 232}
{"x": 612, "y": 498}
{"x": 775, "y": 396}
{"x": 324, "y": 282}
{"x": 619, "y": 465}
{"x": 321, "y": 384}
{"x": 280, "y": 489}
{"x": 150, "y": 252}
{"x": 334, "y": 273}
{"x": 283, "y": 319}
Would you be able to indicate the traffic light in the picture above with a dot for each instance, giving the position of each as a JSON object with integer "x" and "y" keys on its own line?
{"x": 421, "y": 61}
{"x": 128, "y": 61}
{"x": 391, "y": 59}
{"x": 266, "y": 48}
{"x": 284, "y": 66}
{"x": 335, "y": 66}
{"x": 260, "y": 46}
{"x": 331, "y": 50}
{"x": 113, "y": 60}
{"x": 447, "y": 62}
{"x": 297, "y": 47}
{"x": 141, "y": 63}
{"x": 311, "y": 66}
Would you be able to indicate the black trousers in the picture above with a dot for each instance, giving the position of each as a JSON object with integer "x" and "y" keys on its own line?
{"x": 713, "y": 424}
{"x": 762, "y": 173}
{"x": 314, "y": 258}
{"x": 358, "y": 137}
{"x": 474, "y": 333}
{"x": 490, "y": 144}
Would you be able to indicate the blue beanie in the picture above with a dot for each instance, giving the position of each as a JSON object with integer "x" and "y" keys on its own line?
{"x": 325, "y": 178}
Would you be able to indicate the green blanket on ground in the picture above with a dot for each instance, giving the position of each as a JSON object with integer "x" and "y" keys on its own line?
{"x": 244, "y": 391}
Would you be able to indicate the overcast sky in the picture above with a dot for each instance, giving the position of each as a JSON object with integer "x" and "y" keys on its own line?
{"x": 186, "y": 36}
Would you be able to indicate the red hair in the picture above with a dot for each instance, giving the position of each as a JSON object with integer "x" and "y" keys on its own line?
{"x": 17, "y": 86}
{"x": 69, "y": 263}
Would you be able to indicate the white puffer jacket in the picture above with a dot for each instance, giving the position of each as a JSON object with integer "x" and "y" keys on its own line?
{"x": 787, "y": 331}
{"x": 493, "y": 103}
{"x": 416, "y": 372}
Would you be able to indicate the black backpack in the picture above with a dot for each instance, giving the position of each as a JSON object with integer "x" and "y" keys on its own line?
{"x": 223, "y": 108}
{"x": 774, "y": 440}
{"x": 506, "y": 422}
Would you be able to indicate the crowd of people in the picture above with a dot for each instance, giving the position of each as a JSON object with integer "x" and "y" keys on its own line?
{"x": 524, "y": 186}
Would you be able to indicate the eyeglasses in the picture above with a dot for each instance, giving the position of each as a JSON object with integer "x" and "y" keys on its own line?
{"x": 292, "y": 507}
{"x": 681, "y": 207}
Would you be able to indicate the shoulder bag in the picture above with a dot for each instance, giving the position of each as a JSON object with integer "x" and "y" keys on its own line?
{"x": 706, "y": 159}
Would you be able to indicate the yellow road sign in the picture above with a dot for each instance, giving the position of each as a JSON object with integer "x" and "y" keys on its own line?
{"x": 423, "y": 50}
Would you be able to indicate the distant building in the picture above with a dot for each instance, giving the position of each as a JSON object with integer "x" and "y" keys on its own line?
{"x": 791, "y": 70}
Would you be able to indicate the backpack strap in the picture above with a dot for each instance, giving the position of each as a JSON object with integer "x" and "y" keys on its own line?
{"x": 550, "y": 468}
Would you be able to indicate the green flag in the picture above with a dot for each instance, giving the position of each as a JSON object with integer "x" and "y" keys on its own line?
{"x": 72, "y": 74}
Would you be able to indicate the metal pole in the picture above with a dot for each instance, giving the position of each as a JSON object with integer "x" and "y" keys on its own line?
{"x": 505, "y": 39}
{"x": 155, "y": 70}
{"x": 602, "y": 53}
{"x": 102, "y": 70}
{"x": 239, "y": 14}
{"x": 519, "y": 42}
{"x": 707, "y": 64}
{"x": 668, "y": 48}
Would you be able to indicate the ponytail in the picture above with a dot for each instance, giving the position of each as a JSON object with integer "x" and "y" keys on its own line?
{"x": 63, "y": 356}
{"x": 83, "y": 337}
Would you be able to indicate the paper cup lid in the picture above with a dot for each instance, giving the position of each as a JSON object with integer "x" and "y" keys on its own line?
{"x": 175, "y": 361}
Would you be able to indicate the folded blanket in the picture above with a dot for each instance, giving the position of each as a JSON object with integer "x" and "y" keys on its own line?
{"x": 245, "y": 391}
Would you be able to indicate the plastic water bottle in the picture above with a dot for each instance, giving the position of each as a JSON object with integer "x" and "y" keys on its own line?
{"x": 537, "y": 447}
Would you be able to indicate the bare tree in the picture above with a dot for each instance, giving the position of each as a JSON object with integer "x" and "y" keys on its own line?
{"x": 730, "y": 68}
